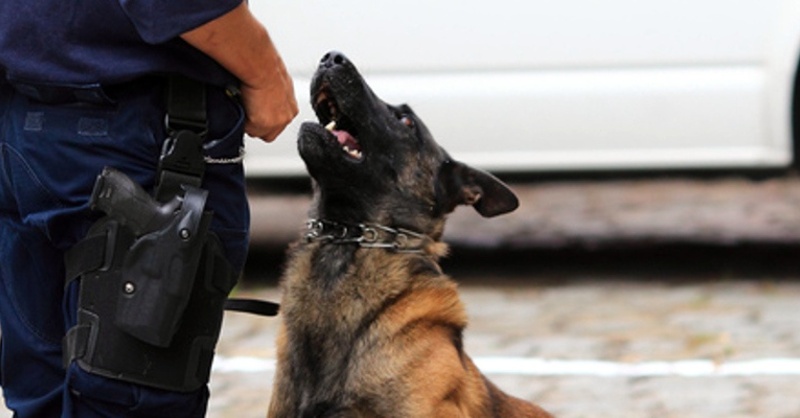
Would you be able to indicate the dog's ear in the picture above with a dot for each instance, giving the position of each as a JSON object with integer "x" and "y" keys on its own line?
{"x": 460, "y": 184}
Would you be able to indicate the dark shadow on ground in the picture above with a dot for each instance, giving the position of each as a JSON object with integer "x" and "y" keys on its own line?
{"x": 674, "y": 263}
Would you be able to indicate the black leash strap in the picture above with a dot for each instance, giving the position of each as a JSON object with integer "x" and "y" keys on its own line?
{"x": 252, "y": 306}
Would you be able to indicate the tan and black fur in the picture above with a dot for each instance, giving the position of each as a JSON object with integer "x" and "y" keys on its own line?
{"x": 374, "y": 332}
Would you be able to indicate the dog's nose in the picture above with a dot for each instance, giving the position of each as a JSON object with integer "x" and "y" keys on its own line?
{"x": 332, "y": 59}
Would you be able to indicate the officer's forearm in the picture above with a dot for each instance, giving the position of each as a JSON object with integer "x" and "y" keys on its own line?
{"x": 241, "y": 44}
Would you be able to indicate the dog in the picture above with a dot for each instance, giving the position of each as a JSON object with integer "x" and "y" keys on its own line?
{"x": 370, "y": 326}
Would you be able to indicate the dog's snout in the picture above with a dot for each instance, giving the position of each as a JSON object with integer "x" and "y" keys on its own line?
{"x": 332, "y": 59}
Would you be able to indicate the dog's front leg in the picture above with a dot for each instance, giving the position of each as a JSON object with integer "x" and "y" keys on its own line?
{"x": 283, "y": 403}
{"x": 285, "y": 399}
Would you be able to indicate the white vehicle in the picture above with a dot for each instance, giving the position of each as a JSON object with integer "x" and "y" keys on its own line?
{"x": 569, "y": 85}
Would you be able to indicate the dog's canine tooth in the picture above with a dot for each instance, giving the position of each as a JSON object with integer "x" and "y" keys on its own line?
{"x": 352, "y": 152}
{"x": 331, "y": 126}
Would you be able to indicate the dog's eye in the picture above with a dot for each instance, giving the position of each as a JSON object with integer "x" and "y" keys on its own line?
{"x": 402, "y": 114}
{"x": 406, "y": 120}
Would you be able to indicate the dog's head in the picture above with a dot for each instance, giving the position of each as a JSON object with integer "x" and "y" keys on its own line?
{"x": 375, "y": 162}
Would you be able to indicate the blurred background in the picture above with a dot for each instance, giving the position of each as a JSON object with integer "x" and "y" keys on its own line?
{"x": 617, "y": 121}
{"x": 653, "y": 268}
{"x": 564, "y": 86}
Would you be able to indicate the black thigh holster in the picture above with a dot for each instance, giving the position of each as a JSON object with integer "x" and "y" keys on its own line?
{"x": 152, "y": 278}
{"x": 102, "y": 342}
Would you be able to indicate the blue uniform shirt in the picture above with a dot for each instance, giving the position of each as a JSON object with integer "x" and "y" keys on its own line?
{"x": 105, "y": 41}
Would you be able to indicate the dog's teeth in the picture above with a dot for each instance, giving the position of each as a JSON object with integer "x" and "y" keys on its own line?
{"x": 331, "y": 126}
{"x": 352, "y": 152}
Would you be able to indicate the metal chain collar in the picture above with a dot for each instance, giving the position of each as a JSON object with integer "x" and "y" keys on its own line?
{"x": 366, "y": 236}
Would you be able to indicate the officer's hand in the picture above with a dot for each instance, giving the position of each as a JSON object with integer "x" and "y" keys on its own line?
{"x": 271, "y": 107}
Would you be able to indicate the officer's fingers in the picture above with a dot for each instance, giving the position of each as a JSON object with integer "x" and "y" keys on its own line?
{"x": 265, "y": 135}
{"x": 268, "y": 111}
{"x": 269, "y": 125}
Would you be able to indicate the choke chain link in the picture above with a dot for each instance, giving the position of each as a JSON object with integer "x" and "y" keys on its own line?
{"x": 365, "y": 235}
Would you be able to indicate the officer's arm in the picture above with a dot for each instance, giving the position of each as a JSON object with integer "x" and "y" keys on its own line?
{"x": 242, "y": 45}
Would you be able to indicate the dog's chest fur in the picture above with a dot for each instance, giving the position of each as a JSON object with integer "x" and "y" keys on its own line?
{"x": 344, "y": 310}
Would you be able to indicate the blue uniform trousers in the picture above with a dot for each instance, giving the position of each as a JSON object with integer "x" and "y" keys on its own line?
{"x": 50, "y": 156}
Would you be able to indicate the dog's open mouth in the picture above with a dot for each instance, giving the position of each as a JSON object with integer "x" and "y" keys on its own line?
{"x": 337, "y": 123}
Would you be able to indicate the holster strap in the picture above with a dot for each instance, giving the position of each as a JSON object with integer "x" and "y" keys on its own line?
{"x": 182, "y": 160}
{"x": 186, "y": 105}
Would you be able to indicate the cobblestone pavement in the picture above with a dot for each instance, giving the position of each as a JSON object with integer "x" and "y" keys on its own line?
{"x": 633, "y": 310}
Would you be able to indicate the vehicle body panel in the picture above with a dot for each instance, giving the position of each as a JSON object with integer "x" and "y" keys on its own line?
{"x": 560, "y": 86}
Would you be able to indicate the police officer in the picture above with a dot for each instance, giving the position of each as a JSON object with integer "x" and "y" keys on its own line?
{"x": 81, "y": 89}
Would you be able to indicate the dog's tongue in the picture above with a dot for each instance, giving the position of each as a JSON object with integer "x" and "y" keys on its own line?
{"x": 346, "y": 140}
{"x": 349, "y": 144}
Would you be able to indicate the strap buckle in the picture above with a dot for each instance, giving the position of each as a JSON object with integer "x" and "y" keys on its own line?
{"x": 182, "y": 161}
